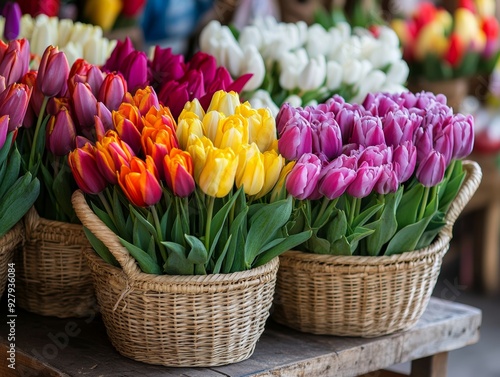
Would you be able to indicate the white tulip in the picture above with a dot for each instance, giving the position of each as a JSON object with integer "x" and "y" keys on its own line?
{"x": 43, "y": 36}
{"x": 289, "y": 77}
{"x": 250, "y": 35}
{"x": 233, "y": 54}
{"x": 336, "y": 42}
{"x": 352, "y": 71}
{"x": 388, "y": 37}
{"x": 95, "y": 50}
{"x": 209, "y": 32}
{"x": 294, "y": 100}
{"x": 26, "y": 27}
{"x": 262, "y": 99}
{"x": 318, "y": 41}
{"x": 64, "y": 30}
{"x": 333, "y": 75}
{"x": 254, "y": 64}
{"x": 345, "y": 30}
{"x": 372, "y": 82}
{"x": 314, "y": 74}
{"x": 73, "y": 51}
{"x": 398, "y": 72}
{"x": 393, "y": 88}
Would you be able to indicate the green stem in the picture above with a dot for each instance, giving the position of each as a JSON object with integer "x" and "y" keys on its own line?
{"x": 356, "y": 202}
{"x": 210, "y": 210}
{"x": 450, "y": 169}
{"x": 159, "y": 237}
{"x": 35, "y": 137}
{"x": 423, "y": 204}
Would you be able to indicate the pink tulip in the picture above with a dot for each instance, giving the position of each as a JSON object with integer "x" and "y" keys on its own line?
{"x": 85, "y": 171}
{"x": 4, "y": 129}
{"x": 296, "y": 138}
{"x": 302, "y": 180}
{"x": 81, "y": 71}
{"x": 204, "y": 63}
{"x": 174, "y": 95}
{"x": 334, "y": 180}
{"x": 84, "y": 104}
{"x": 463, "y": 135}
{"x": 326, "y": 136}
{"x": 118, "y": 55}
{"x": 53, "y": 72}
{"x": 366, "y": 178}
{"x": 375, "y": 155}
{"x": 112, "y": 91}
{"x": 404, "y": 160}
{"x": 400, "y": 126}
{"x": 367, "y": 130}
{"x": 345, "y": 119}
{"x": 196, "y": 86}
{"x": 60, "y": 133}
{"x": 135, "y": 70}
{"x": 285, "y": 113}
{"x": 388, "y": 180}
{"x": 105, "y": 117}
{"x": 14, "y": 102}
{"x": 431, "y": 169}
{"x": 15, "y": 61}
{"x": 424, "y": 142}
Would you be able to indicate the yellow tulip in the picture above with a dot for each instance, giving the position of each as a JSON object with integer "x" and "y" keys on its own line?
{"x": 250, "y": 172}
{"x": 233, "y": 133}
{"x": 187, "y": 127}
{"x": 198, "y": 148}
{"x": 430, "y": 40}
{"x": 218, "y": 174}
{"x": 194, "y": 107}
{"x": 261, "y": 126}
{"x": 279, "y": 191}
{"x": 225, "y": 102}
{"x": 102, "y": 12}
{"x": 466, "y": 25}
{"x": 401, "y": 28}
{"x": 444, "y": 18}
{"x": 485, "y": 8}
{"x": 273, "y": 164}
{"x": 212, "y": 122}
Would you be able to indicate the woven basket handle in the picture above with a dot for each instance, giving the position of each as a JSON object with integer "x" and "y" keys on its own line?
{"x": 93, "y": 223}
{"x": 473, "y": 175}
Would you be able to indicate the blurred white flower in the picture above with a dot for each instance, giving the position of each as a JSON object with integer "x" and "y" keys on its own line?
{"x": 254, "y": 64}
{"x": 261, "y": 98}
{"x": 313, "y": 75}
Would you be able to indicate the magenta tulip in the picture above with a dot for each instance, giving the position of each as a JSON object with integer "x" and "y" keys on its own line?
{"x": 118, "y": 55}
{"x": 204, "y": 63}
{"x": 135, "y": 70}
{"x": 424, "y": 142}
{"x": 400, "y": 126}
{"x": 326, "y": 136}
{"x": 404, "y": 160}
{"x": 302, "y": 180}
{"x": 84, "y": 168}
{"x": 53, "y": 72}
{"x": 334, "y": 180}
{"x": 174, "y": 95}
{"x": 15, "y": 60}
{"x": 388, "y": 180}
{"x": 14, "y": 102}
{"x": 84, "y": 104}
{"x": 296, "y": 138}
{"x": 60, "y": 133}
{"x": 431, "y": 169}
{"x": 463, "y": 135}
{"x": 105, "y": 117}
{"x": 4, "y": 129}
{"x": 195, "y": 81}
{"x": 375, "y": 155}
{"x": 366, "y": 178}
{"x": 112, "y": 91}
{"x": 345, "y": 119}
{"x": 285, "y": 113}
{"x": 367, "y": 130}
{"x": 166, "y": 66}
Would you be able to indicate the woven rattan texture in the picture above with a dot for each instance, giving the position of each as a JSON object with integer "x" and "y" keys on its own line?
{"x": 8, "y": 245}
{"x": 52, "y": 275}
{"x": 364, "y": 296}
{"x": 204, "y": 320}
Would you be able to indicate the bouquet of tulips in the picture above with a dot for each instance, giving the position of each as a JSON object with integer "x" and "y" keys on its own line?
{"x": 300, "y": 64}
{"x": 439, "y": 45}
{"x": 377, "y": 178}
{"x": 18, "y": 190}
{"x": 193, "y": 196}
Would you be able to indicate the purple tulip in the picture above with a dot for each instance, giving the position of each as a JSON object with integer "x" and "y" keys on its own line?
{"x": 388, "y": 180}
{"x": 112, "y": 91}
{"x": 345, "y": 119}
{"x": 463, "y": 135}
{"x": 285, "y": 113}
{"x": 380, "y": 104}
{"x": 12, "y": 14}
{"x": 366, "y": 178}
{"x": 174, "y": 95}
{"x": 367, "y": 130}
{"x": 135, "y": 70}
{"x": 424, "y": 142}
{"x": 204, "y": 63}
{"x": 15, "y": 60}
{"x": 404, "y": 159}
{"x": 344, "y": 161}
{"x": 118, "y": 55}
{"x": 296, "y": 138}
{"x": 61, "y": 133}
{"x": 3, "y": 85}
{"x": 302, "y": 180}
{"x": 335, "y": 104}
{"x": 443, "y": 143}
{"x": 166, "y": 66}
{"x": 376, "y": 155}
{"x": 14, "y": 102}
{"x": 53, "y": 72}
{"x": 84, "y": 104}
{"x": 4, "y": 129}
{"x": 326, "y": 136}
{"x": 431, "y": 169}
{"x": 335, "y": 179}
{"x": 105, "y": 116}
{"x": 400, "y": 126}
{"x": 195, "y": 87}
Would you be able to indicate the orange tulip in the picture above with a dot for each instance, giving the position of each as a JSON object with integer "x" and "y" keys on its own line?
{"x": 138, "y": 182}
{"x": 111, "y": 154}
{"x": 178, "y": 166}
{"x": 84, "y": 168}
{"x": 145, "y": 99}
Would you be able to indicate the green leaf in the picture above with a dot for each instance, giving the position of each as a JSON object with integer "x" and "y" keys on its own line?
{"x": 366, "y": 215}
{"x": 150, "y": 228}
{"x": 100, "y": 248}
{"x": 6, "y": 147}
{"x": 406, "y": 213}
{"x": 198, "y": 253}
{"x": 236, "y": 233}
{"x": 286, "y": 244}
{"x": 386, "y": 226}
{"x": 450, "y": 191}
{"x": 177, "y": 262}
{"x": 146, "y": 263}
{"x": 151, "y": 249}
{"x": 318, "y": 245}
{"x": 119, "y": 218}
{"x": 177, "y": 234}
{"x": 11, "y": 174}
{"x": 357, "y": 235}
{"x": 341, "y": 247}
{"x": 264, "y": 224}
{"x": 222, "y": 256}
{"x": 407, "y": 238}
{"x": 239, "y": 254}
{"x": 63, "y": 189}
{"x": 337, "y": 226}
{"x": 141, "y": 236}
{"x": 433, "y": 228}
{"x": 105, "y": 218}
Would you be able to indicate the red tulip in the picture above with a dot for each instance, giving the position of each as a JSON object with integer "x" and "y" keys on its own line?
{"x": 455, "y": 51}
{"x": 132, "y": 8}
{"x": 34, "y": 8}
{"x": 84, "y": 168}
{"x": 178, "y": 167}
{"x": 61, "y": 133}
{"x": 139, "y": 184}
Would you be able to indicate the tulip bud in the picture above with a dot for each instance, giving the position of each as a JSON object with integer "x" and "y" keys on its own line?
{"x": 253, "y": 63}
{"x": 84, "y": 104}
{"x": 61, "y": 133}
{"x": 53, "y": 72}
{"x": 296, "y": 138}
{"x": 135, "y": 70}
{"x": 112, "y": 91}
{"x": 463, "y": 135}
{"x": 365, "y": 180}
{"x": 273, "y": 164}
{"x": 127, "y": 126}
{"x": 12, "y": 15}
{"x": 313, "y": 75}
{"x": 111, "y": 154}
{"x": 178, "y": 167}
{"x": 174, "y": 95}
{"x": 233, "y": 133}
{"x": 187, "y": 127}
{"x": 388, "y": 181}
{"x": 261, "y": 126}
{"x": 138, "y": 182}
{"x": 15, "y": 60}
{"x": 431, "y": 169}
{"x": 145, "y": 99}
{"x": 218, "y": 173}
{"x": 423, "y": 142}
{"x": 14, "y": 102}
{"x": 326, "y": 136}
{"x": 198, "y": 149}
{"x": 85, "y": 171}
{"x": 166, "y": 66}
{"x": 334, "y": 179}
{"x": 205, "y": 64}
{"x": 404, "y": 160}
{"x": 285, "y": 113}
{"x": 250, "y": 172}
{"x": 195, "y": 107}
{"x": 225, "y": 102}
{"x": 4, "y": 129}
{"x": 367, "y": 130}
{"x": 400, "y": 126}
{"x": 375, "y": 155}
{"x": 303, "y": 178}
{"x": 118, "y": 55}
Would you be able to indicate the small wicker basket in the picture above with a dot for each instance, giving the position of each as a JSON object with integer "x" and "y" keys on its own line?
{"x": 364, "y": 296}
{"x": 8, "y": 244}
{"x": 53, "y": 278}
{"x": 203, "y": 320}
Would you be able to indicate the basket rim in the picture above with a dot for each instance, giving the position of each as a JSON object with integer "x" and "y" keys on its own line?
{"x": 13, "y": 237}
{"x": 32, "y": 219}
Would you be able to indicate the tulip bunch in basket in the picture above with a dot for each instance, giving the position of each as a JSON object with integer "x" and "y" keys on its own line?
{"x": 18, "y": 190}
{"x": 377, "y": 178}
{"x": 175, "y": 80}
{"x": 300, "y": 64}
{"x": 75, "y": 39}
{"x": 439, "y": 45}
{"x": 191, "y": 197}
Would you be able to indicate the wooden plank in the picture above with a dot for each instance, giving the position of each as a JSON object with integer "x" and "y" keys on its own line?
{"x": 432, "y": 366}
{"x": 81, "y": 347}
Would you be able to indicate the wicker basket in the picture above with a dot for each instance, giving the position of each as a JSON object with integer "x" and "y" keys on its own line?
{"x": 455, "y": 90}
{"x": 53, "y": 278}
{"x": 204, "y": 320}
{"x": 364, "y": 296}
{"x": 8, "y": 244}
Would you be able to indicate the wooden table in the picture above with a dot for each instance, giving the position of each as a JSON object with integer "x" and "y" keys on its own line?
{"x": 48, "y": 346}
